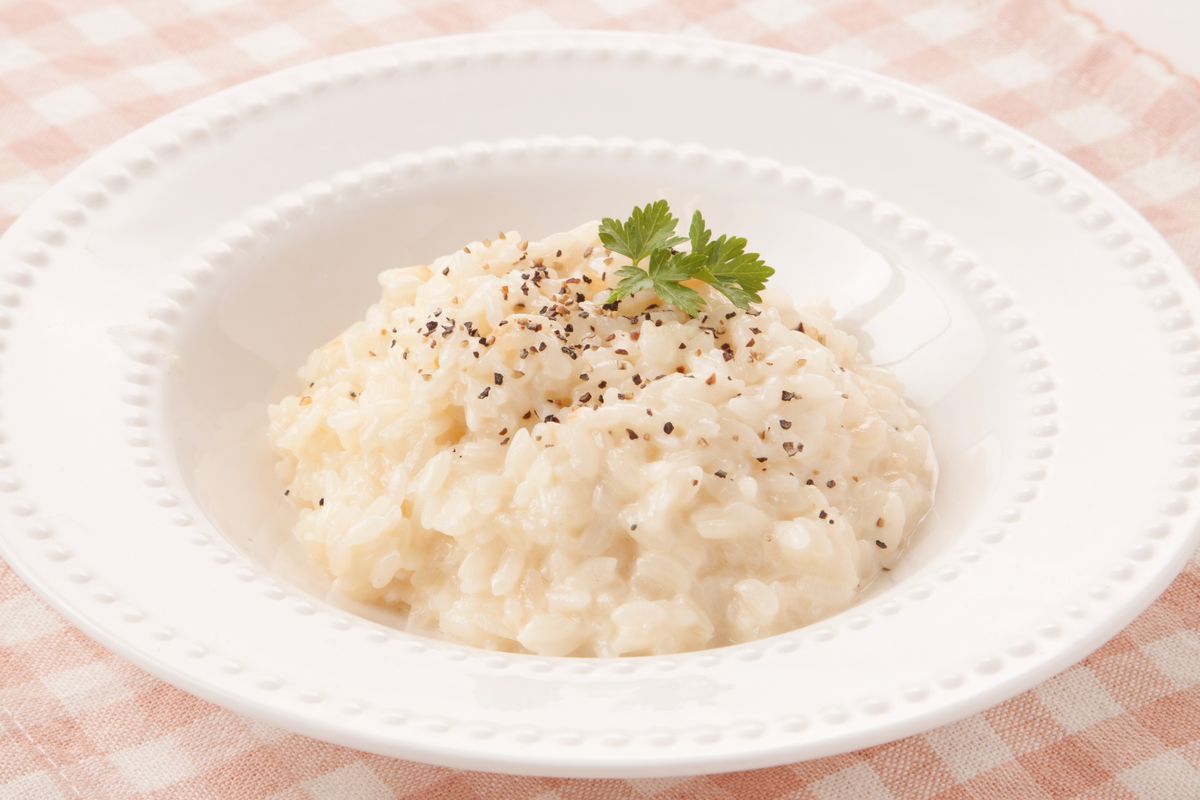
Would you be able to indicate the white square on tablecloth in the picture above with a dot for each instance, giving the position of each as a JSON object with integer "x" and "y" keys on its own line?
{"x": 525, "y": 21}
{"x": 108, "y": 25}
{"x": 26, "y": 619}
{"x": 169, "y": 76}
{"x": 969, "y": 747}
{"x": 778, "y": 12}
{"x": 153, "y": 765}
{"x": 1092, "y": 122}
{"x": 1178, "y": 657}
{"x": 622, "y": 6}
{"x": 854, "y": 54}
{"x": 1166, "y": 177}
{"x": 858, "y": 782}
{"x": 1077, "y": 699}
{"x": 651, "y": 787}
{"x": 67, "y": 104}
{"x": 15, "y": 197}
{"x": 353, "y": 780}
{"x": 363, "y": 11}
{"x": 1167, "y": 776}
{"x": 273, "y": 43}
{"x": 267, "y": 734}
{"x": 1016, "y": 70}
{"x": 943, "y": 22}
{"x": 15, "y": 55}
{"x": 87, "y": 688}
{"x": 204, "y": 6}
{"x": 35, "y": 786}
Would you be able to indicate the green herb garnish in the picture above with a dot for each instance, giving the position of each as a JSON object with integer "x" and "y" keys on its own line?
{"x": 649, "y": 233}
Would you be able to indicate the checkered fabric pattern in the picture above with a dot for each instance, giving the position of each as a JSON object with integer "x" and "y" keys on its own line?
{"x": 77, "y": 723}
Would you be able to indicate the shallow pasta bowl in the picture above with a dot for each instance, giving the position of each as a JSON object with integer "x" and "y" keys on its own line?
{"x": 155, "y": 300}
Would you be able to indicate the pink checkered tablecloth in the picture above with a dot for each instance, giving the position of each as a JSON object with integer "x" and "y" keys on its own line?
{"x": 78, "y": 723}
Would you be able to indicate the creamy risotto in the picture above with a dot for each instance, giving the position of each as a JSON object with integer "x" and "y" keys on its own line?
{"x": 524, "y": 469}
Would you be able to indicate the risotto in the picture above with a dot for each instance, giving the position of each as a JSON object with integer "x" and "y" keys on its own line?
{"x": 523, "y": 468}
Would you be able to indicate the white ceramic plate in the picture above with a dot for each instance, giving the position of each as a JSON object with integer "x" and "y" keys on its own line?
{"x": 155, "y": 300}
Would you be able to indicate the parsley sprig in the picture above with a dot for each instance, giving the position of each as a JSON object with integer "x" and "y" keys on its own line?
{"x": 649, "y": 233}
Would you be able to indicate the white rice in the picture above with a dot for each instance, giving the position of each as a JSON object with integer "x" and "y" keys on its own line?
{"x": 489, "y": 448}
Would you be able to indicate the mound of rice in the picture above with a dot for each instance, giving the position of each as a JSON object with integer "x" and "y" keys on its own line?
{"x": 525, "y": 470}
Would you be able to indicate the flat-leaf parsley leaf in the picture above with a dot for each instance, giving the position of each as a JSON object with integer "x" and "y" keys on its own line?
{"x": 723, "y": 262}
{"x": 647, "y": 229}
